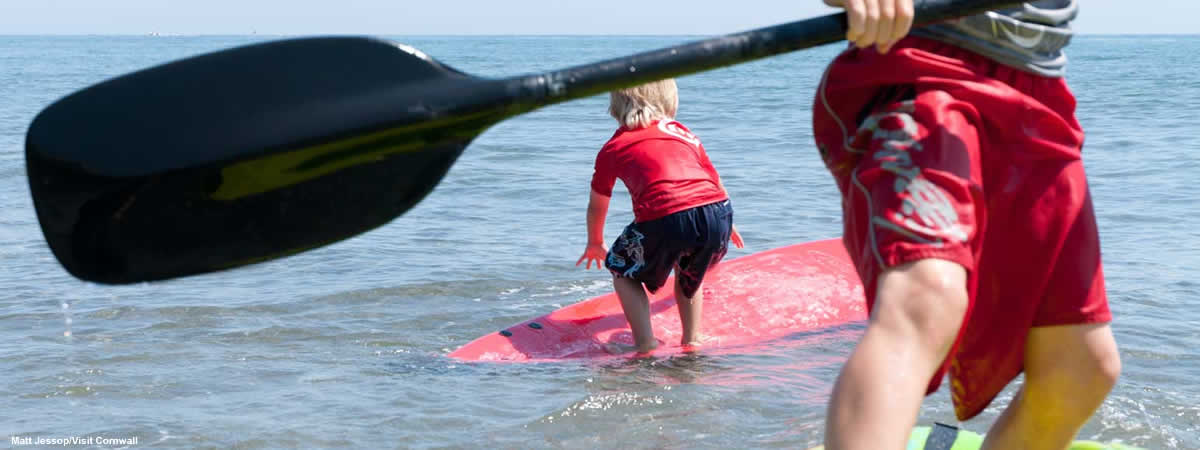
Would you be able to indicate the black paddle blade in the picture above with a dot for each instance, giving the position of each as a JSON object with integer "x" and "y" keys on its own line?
{"x": 257, "y": 152}
{"x": 245, "y": 155}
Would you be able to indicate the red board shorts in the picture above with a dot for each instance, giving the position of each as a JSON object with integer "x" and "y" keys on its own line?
{"x": 941, "y": 153}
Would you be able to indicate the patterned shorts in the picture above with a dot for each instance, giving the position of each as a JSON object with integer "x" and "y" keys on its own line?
{"x": 693, "y": 239}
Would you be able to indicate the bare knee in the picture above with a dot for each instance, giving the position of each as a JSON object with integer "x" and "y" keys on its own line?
{"x": 926, "y": 298}
{"x": 628, "y": 287}
{"x": 686, "y": 301}
{"x": 1107, "y": 370}
{"x": 1107, "y": 367}
{"x": 1072, "y": 368}
{"x": 1111, "y": 369}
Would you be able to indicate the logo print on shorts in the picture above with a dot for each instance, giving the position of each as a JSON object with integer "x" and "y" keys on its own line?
{"x": 629, "y": 242}
{"x": 925, "y": 214}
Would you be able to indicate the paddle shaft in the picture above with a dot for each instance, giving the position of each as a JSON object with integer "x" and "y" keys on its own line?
{"x": 591, "y": 79}
{"x": 277, "y": 148}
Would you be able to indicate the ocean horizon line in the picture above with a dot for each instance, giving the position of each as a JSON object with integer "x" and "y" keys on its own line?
{"x": 435, "y": 35}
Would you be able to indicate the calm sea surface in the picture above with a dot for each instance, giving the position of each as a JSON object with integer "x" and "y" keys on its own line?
{"x": 345, "y": 346}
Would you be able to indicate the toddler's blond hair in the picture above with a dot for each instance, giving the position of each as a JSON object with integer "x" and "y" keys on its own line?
{"x": 639, "y": 106}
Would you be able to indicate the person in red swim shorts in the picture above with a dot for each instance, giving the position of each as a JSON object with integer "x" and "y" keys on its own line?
{"x": 683, "y": 219}
{"x": 967, "y": 213}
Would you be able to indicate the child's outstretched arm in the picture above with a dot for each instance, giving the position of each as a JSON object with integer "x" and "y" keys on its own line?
{"x": 734, "y": 236}
{"x": 596, "y": 213}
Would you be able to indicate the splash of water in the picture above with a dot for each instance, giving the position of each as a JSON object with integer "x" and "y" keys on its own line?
{"x": 67, "y": 320}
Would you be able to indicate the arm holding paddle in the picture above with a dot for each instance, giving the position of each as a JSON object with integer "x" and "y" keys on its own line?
{"x": 876, "y": 22}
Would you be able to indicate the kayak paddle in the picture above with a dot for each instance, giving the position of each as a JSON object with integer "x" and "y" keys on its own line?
{"x": 256, "y": 152}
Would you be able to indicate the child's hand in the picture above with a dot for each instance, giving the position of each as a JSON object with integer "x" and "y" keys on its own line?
{"x": 736, "y": 238}
{"x": 593, "y": 252}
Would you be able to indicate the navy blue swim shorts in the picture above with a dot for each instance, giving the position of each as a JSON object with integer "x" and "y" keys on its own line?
{"x": 694, "y": 239}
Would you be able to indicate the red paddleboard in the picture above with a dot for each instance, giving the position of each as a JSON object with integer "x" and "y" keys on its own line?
{"x": 747, "y": 300}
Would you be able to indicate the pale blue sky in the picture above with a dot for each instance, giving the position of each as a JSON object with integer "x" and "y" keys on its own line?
{"x": 409, "y": 17}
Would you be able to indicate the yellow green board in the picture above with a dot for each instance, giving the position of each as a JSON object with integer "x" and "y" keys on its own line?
{"x": 967, "y": 440}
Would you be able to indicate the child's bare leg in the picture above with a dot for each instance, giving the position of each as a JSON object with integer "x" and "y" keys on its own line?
{"x": 919, "y": 308}
{"x": 1068, "y": 372}
{"x": 690, "y": 311}
{"x": 637, "y": 312}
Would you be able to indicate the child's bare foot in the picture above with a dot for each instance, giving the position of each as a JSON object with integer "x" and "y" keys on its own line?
{"x": 618, "y": 348}
{"x": 694, "y": 344}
